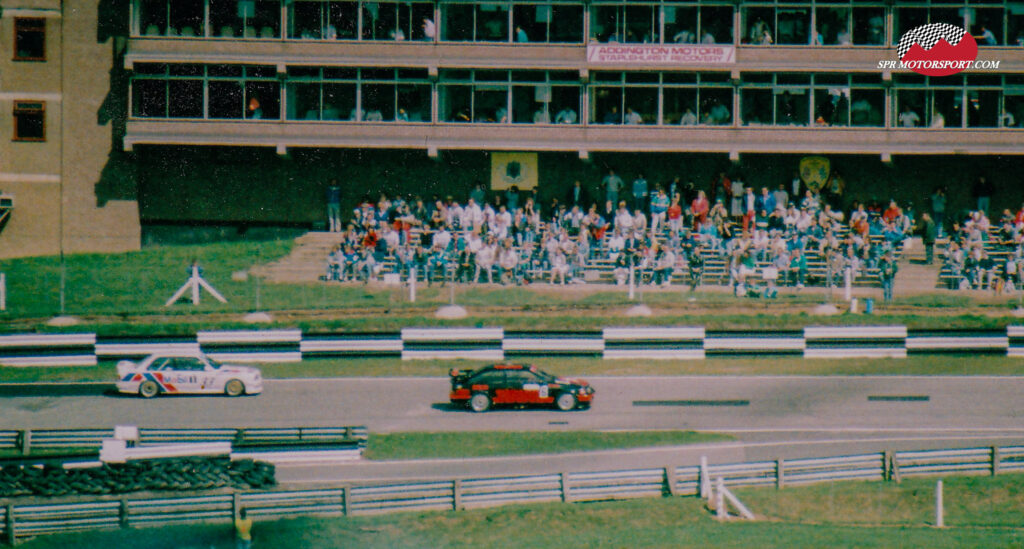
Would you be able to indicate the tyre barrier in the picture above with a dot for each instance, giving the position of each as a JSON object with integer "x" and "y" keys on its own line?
{"x": 178, "y": 474}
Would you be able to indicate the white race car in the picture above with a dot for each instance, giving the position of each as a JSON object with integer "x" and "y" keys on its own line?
{"x": 186, "y": 373}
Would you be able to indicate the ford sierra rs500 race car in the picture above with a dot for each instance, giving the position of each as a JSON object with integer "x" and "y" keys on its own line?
{"x": 187, "y": 373}
{"x": 517, "y": 384}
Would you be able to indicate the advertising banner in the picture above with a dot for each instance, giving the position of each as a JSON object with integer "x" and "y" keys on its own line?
{"x": 660, "y": 54}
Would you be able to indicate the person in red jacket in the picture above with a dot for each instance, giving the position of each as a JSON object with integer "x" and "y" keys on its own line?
{"x": 700, "y": 208}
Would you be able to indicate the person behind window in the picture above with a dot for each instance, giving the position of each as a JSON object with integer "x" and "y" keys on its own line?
{"x": 908, "y": 118}
{"x": 986, "y": 37}
{"x": 632, "y": 117}
{"x": 429, "y": 29}
{"x": 521, "y": 35}
{"x": 707, "y": 38}
{"x": 566, "y": 116}
{"x": 685, "y": 36}
{"x": 688, "y": 119}
{"x": 254, "y": 111}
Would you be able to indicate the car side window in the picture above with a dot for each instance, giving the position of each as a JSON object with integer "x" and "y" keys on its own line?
{"x": 159, "y": 364}
{"x": 190, "y": 364}
{"x": 493, "y": 378}
{"x": 521, "y": 377}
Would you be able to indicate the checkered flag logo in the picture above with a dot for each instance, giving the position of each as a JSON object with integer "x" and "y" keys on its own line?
{"x": 928, "y": 35}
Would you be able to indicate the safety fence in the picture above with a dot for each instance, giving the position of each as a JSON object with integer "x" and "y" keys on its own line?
{"x": 666, "y": 342}
{"x": 30, "y": 519}
{"x": 28, "y": 439}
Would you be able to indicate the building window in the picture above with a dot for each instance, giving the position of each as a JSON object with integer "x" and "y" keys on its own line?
{"x": 29, "y": 121}
{"x": 29, "y": 39}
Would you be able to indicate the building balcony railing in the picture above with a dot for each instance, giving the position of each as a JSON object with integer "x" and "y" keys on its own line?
{"x": 538, "y": 56}
{"x": 584, "y": 139}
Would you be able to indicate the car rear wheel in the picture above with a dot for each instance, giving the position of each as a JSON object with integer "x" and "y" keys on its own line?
{"x": 149, "y": 389}
{"x": 566, "y": 402}
{"x": 480, "y": 402}
{"x": 234, "y": 388}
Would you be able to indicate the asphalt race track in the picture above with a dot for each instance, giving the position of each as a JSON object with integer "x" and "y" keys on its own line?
{"x": 749, "y": 404}
{"x": 783, "y": 416}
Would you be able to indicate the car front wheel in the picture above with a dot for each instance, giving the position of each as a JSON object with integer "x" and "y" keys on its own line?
{"x": 480, "y": 402}
{"x": 566, "y": 402}
{"x": 149, "y": 389}
{"x": 234, "y": 388}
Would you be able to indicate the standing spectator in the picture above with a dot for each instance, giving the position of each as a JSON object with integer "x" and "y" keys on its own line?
{"x": 983, "y": 193}
{"x": 928, "y": 236}
{"x": 939, "y": 209}
{"x": 612, "y": 184}
{"x": 334, "y": 207}
{"x": 478, "y": 194}
{"x": 659, "y": 207}
{"x": 640, "y": 192}
{"x": 699, "y": 209}
{"x": 781, "y": 197}
{"x": 243, "y": 530}
{"x": 429, "y": 29}
{"x": 749, "y": 210}
{"x": 887, "y": 272}
{"x": 577, "y": 196}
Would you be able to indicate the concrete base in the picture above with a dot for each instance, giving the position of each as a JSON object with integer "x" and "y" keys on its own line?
{"x": 638, "y": 310}
{"x": 240, "y": 276}
{"x": 64, "y": 321}
{"x": 451, "y": 311}
{"x": 257, "y": 318}
{"x": 825, "y": 309}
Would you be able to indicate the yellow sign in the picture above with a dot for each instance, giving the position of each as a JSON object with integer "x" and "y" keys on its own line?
{"x": 814, "y": 171}
{"x": 515, "y": 168}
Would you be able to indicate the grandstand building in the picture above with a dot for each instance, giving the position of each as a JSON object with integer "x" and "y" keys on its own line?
{"x": 119, "y": 116}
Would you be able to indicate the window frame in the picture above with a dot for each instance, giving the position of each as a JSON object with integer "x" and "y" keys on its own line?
{"x": 21, "y": 107}
{"x": 37, "y": 24}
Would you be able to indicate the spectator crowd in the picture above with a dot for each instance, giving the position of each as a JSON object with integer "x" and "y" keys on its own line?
{"x": 656, "y": 234}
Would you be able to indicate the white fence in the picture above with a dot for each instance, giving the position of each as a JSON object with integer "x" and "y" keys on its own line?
{"x": 29, "y": 519}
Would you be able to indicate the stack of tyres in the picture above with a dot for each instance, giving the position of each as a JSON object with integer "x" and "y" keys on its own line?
{"x": 178, "y": 474}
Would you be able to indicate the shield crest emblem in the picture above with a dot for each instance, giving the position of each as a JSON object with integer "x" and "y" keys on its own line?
{"x": 814, "y": 171}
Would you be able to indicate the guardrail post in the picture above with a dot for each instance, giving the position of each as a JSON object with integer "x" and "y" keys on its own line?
{"x": 25, "y": 441}
{"x": 9, "y": 526}
{"x": 344, "y": 500}
{"x": 893, "y": 465}
{"x": 996, "y": 458}
{"x": 239, "y": 436}
{"x": 780, "y": 473}
{"x": 457, "y": 495}
{"x": 122, "y": 514}
{"x": 565, "y": 488}
{"x": 236, "y": 501}
{"x": 670, "y": 479}
{"x": 939, "y": 511}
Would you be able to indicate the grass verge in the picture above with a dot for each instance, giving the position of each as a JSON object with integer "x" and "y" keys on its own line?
{"x": 837, "y": 515}
{"x": 499, "y": 443}
{"x": 966, "y": 364}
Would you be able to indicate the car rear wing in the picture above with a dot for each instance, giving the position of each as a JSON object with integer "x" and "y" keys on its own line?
{"x": 459, "y": 377}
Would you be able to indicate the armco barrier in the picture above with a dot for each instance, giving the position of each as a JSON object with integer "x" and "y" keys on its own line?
{"x": 22, "y": 520}
{"x": 662, "y": 342}
{"x": 91, "y": 438}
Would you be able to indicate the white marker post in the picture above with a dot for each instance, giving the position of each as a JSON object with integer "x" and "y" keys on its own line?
{"x": 632, "y": 283}
{"x": 939, "y": 512}
{"x": 3, "y": 291}
{"x": 194, "y": 283}
{"x": 847, "y": 281}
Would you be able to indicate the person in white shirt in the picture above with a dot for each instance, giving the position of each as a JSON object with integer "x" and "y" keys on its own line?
{"x": 623, "y": 220}
{"x": 429, "y": 29}
{"x": 566, "y": 116}
{"x": 688, "y": 119}
{"x": 632, "y": 118}
{"x": 908, "y": 118}
{"x": 441, "y": 239}
{"x": 485, "y": 260}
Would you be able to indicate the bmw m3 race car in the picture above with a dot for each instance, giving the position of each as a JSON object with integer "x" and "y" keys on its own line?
{"x": 517, "y": 384}
{"x": 189, "y": 373}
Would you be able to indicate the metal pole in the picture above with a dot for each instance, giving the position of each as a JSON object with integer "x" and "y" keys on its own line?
{"x": 847, "y": 276}
{"x": 939, "y": 522}
{"x": 3, "y": 291}
{"x": 63, "y": 279}
{"x": 259, "y": 257}
{"x": 632, "y": 290}
{"x": 412, "y": 284}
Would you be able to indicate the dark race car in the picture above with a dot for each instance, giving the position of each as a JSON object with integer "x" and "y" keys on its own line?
{"x": 517, "y": 384}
